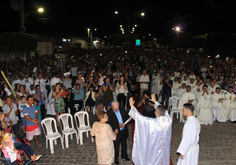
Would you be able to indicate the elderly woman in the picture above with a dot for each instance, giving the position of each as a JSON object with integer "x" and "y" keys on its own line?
{"x": 104, "y": 139}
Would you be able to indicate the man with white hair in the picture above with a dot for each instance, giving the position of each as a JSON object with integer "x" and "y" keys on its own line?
{"x": 117, "y": 117}
{"x": 152, "y": 137}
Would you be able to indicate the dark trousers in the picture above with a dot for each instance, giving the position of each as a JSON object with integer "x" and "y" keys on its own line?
{"x": 81, "y": 104}
{"x": 120, "y": 139}
{"x": 71, "y": 106}
{"x": 8, "y": 162}
{"x": 42, "y": 109}
{"x": 74, "y": 80}
{"x": 26, "y": 148}
{"x": 165, "y": 99}
{"x": 15, "y": 129}
{"x": 121, "y": 98}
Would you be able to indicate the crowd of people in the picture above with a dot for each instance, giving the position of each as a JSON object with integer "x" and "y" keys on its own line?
{"x": 104, "y": 79}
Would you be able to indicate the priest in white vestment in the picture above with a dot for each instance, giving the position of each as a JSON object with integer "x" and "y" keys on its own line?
{"x": 191, "y": 83}
{"x": 212, "y": 87}
{"x": 181, "y": 90}
{"x": 152, "y": 136}
{"x": 218, "y": 107}
{"x": 189, "y": 148}
{"x": 27, "y": 81}
{"x": 185, "y": 80}
{"x": 197, "y": 88}
{"x": 230, "y": 104}
{"x": 154, "y": 83}
{"x": 177, "y": 85}
{"x": 205, "y": 114}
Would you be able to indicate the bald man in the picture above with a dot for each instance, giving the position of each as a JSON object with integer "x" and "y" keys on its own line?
{"x": 117, "y": 116}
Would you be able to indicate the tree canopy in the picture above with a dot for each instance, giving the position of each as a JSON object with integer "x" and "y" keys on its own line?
{"x": 17, "y": 42}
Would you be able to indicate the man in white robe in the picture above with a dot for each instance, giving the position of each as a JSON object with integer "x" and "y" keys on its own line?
{"x": 55, "y": 80}
{"x": 185, "y": 80}
{"x": 16, "y": 81}
{"x": 181, "y": 90}
{"x": 177, "y": 85}
{"x": 27, "y": 81}
{"x": 154, "y": 83}
{"x": 189, "y": 148}
{"x": 152, "y": 137}
{"x": 197, "y": 88}
{"x": 188, "y": 97}
{"x": 205, "y": 115}
{"x": 203, "y": 83}
{"x": 218, "y": 107}
{"x": 212, "y": 87}
{"x": 230, "y": 104}
{"x": 191, "y": 83}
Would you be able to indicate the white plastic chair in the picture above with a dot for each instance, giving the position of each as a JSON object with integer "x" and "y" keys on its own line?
{"x": 66, "y": 120}
{"x": 81, "y": 125}
{"x": 223, "y": 92}
{"x": 48, "y": 126}
{"x": 174, "y": 105}
{"x": 173, "y": 93}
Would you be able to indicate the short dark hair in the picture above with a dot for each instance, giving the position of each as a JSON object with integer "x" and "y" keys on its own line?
{"x": 230, "y": 87}
{"x": 36, "y": 101}
{"x": 146, "y": 92}
{"x": 37, "y": 86}
{"x": 161, "y": 110}
{"x": 204, "y": 86}
{"x": 22, "y": 97}
{"x": 8, "y": 97}
{"x": 188, "y": 86}
{"x": 30, "y": 96}
{"x": 218, "y": 88}
{"x": 189, "y": 106}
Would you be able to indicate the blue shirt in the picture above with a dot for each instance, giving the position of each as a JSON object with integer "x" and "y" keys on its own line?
{"x": 79, "y": 96}
{"x": 30, "y": 111}
{"x": 118, "y": 115}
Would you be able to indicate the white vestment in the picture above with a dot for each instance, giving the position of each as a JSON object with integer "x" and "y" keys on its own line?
{"x": 205, "y": 114}
{"x": 27, "y": 83}
{"x": 50, "y": 105}
{"x": 230, "y": 106}
{"x": 212, "y": 89}
{"x": 152, "y": 139}
{"x": 154, "y": 84}
{"x": 189, "y": 147}
{"x": 180, "y": 92}
{"x": 194, "y": 90}
{"x": 176, "y": 87}
{"x": 219, "y": 109}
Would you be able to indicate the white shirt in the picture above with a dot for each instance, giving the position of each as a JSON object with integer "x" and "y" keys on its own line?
{"x": 16, "y": 82}
{"x": 144, "y": 79}
{"x": 74, "y": 71}
{"x": 27, "y": 84}
{"x": 12, "y": 115}
{"x": 55, "y": 80}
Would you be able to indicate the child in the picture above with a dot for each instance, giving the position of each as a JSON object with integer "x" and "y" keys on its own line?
{"x": 21, "y": 106}
{"x": 36, "y": 102}
{"x": 8, "y": 148}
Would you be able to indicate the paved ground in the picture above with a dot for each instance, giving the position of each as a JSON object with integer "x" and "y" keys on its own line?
{"x": 217, "y": 147}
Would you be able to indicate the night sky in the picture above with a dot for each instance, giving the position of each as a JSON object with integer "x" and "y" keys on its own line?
{"x": 73, "y": 17}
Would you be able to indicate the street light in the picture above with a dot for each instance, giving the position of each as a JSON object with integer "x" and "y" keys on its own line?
{"x": 177, "y": 30}
{"x": 142, "y": 14}
{"x": 116, "y": 12}
{"x": 40, "y": 10}
{"x": 135, "y": 25}
{"x": 120, "y": 25}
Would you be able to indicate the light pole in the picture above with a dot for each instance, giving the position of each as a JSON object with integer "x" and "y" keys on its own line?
{"x": 129, "y": 20}
{"x": 23, "y": 15}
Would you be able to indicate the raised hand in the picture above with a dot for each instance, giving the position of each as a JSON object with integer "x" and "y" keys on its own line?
{"x": 131, "y": 101}
{"x": 153, "y": 98}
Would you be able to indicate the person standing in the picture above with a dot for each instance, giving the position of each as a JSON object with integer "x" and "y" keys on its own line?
{"x": 107, "y": 95}
{"x": 189, "y": 148}
{"x": 144, "y": 81}
{"x": 117, "y": 116}
{"x": 10, "y": 110}
{"x": 31, "y": 120}
{"x": 121, "y": 91}
{"x": 59, "y": 101}
{"x": 104, "y": 139}
{"x": 154, "y": 135}
{"x": 74, "y": 71}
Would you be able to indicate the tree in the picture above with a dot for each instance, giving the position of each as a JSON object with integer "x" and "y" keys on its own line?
{"x": 12, "y": 43}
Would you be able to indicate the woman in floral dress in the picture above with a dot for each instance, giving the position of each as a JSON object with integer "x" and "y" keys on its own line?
{"x": 59, "y": 101}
